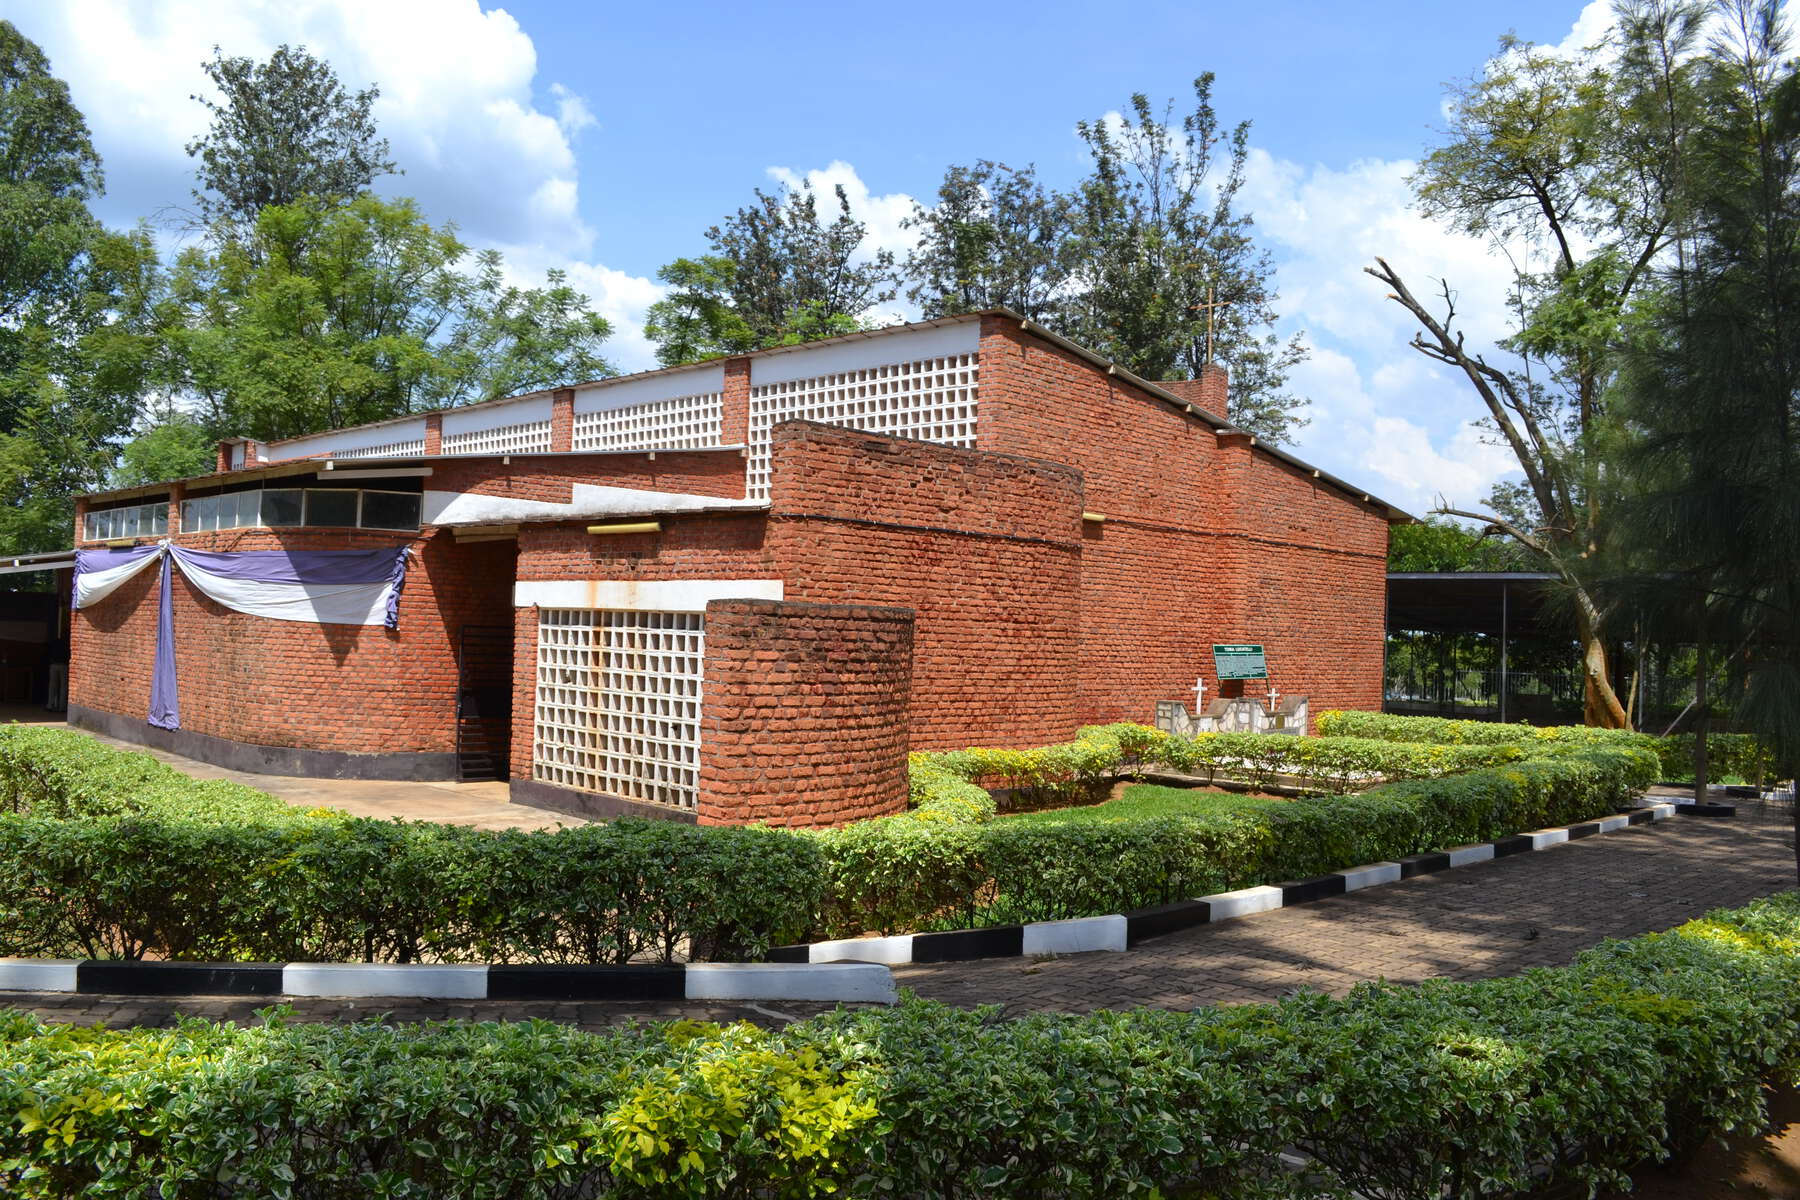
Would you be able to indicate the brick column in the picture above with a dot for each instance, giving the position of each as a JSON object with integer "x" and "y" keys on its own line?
{"x": 223, "y": 461}
{"x": 524, "y": 707}
{"x": 805, "y": 718}
{"x": 1209, "y": 391}
{"x": 735, "y": 429}
{"x": 81, "y": 508}
{"x": 434, "y": 433}
{"x": 177, "y": 493}
{"x": 562, "y": 420}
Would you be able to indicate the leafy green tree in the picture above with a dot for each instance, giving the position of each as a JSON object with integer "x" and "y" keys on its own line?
{"x": 78, "y": 307}
{"x": 1168, "y": 276}
{"x": 996, "y": 238}
{"x": 1438, "y": 544}
{"x": 172, "y": 446}
{"x": 282, "y": 130}
{"x": 330, "y": 315}
{"x": 779, "y": 273}
{"x": 1148, "y": 259}
{"x": 1712, "y": 388}
{"x": 1571, "y": 166}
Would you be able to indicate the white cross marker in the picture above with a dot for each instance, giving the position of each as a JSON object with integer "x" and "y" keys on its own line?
{"x": 1273, "y": 695}
{"x": 1199, "y": 696}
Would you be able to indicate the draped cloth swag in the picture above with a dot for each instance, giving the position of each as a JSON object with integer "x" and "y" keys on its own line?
{"x": 321, "y": 587}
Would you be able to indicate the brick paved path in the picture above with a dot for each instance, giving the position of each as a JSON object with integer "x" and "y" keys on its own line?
{"x": 1494, "y": 918}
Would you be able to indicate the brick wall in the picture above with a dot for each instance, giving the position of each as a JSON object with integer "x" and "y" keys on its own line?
{"x": 1206, "y": 539}
{"x": 351, "y": 688}
{"x": 552, "y": 478}
{"x": 806, "y": 712}
{"x": 711, "y": 546}
{"x": 983, "y": 547}
{"x": 1208, "y": 391}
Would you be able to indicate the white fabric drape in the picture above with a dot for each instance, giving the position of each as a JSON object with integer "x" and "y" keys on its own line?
{"x": 91, "y": 587}
{"x": 312, "y": 603}
{"x": 318, "y": 604}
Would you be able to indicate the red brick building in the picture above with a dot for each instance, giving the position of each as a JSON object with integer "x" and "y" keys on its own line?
{"x": 741, "y": 590}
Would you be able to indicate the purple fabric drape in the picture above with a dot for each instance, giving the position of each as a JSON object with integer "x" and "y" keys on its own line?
{"x": 165, "y": 703}
{"x": 300, "y": 566}
{"x": 332, "y": 571}
{"x": 89, "y": 561}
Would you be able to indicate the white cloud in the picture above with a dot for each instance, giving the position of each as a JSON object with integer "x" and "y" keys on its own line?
{"x": 882, "y": 215}
{"x": 572, "y": 112}
{"x": 1358, "y": 432}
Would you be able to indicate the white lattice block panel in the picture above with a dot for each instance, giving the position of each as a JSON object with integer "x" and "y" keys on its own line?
{"x": 932, "y": 400}
{"x": 618, "y": 702}
{"x": 524, "y": 438}
{"x": 391, "y": 450}
{"x": 682, "y": 422}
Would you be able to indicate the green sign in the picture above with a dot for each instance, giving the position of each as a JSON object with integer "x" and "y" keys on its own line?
{"x": 1240, "y": 662}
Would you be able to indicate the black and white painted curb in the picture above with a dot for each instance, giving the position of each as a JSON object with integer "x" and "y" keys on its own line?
{"x": 854, "y": 970}
{"x": 833, "y": 982}
{"x": 1120, "y": 931}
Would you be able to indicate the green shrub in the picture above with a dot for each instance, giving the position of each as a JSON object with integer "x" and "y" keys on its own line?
{"x": 65, "y": 773}
{"x": 112, "y": 854}
{"x": 1559, "y": 1080}
{"x": 174, "y": 868}
{"x": 902, "y": 873}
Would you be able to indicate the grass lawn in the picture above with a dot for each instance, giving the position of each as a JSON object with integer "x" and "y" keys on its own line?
{"x": 1138, "y": 800}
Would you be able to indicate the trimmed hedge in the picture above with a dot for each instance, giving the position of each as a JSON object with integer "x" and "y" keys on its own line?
{"x": 925, "y": 870}
{"x": 1558, "y": 1078}
{"x": 111, "y": 854}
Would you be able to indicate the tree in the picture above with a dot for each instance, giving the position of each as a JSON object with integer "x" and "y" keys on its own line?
{"x": 1436, "y": 544}
{"x": 172, "y": 446}
{"x": 282, "y": 130}
{"x": 1147, "y": 260}
{"x": 77, "y": 307}
{"x": 997, "y": 238}
{"x": 779, "y": 274}
{"x": 1168, "y": 276}
{"x": 1571, "y": 167}
{"x": 1711, "y": 516}
{"x": 332, "y": 315}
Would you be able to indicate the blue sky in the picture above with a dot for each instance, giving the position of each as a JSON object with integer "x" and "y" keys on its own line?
{"x": 603, "y": 139}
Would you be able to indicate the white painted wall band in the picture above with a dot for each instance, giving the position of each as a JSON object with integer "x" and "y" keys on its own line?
{"x": 676, "y": 595}
{"x": 859, "y": 354}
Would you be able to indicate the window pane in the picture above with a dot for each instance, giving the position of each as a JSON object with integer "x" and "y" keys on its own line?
{"x": 209, "y": 512}
{"x": 246, "y": 511}
{"x": 390, "y": 510}
{"x": 159, "y": 519}
{"x": 281, "y": 507}
{"x": 335, "y": 506}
